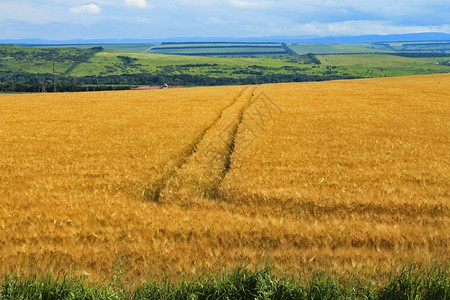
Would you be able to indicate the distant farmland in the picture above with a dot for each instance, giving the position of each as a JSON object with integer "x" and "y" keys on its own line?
{"x": 29, "y": 69}
{"x": 219, "y": 49}
{"x": 334, "y": 49}
{"x": 439, "y": 47}
{"x": 132, "y": 47}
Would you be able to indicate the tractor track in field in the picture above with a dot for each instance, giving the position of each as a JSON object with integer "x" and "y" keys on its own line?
{"x": 232, "y": 144}
{"x": 153, "y": 192}
{"x": 204, "y": 171}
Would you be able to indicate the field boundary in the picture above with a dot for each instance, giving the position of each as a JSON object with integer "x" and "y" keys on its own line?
{"x": 413, "y": 281}
{"x": 86, "y": 59}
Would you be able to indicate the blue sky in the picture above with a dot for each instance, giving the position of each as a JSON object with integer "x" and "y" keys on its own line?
{"x": 75, "y": 19}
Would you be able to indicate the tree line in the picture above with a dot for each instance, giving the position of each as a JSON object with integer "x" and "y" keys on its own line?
{"x": 27, "y": 82}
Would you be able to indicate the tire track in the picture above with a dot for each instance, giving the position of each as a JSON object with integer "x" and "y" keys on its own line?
{"x": 232, "y": 144}
{"x": 202, "y": 172}
{"x": 153, "y": 192}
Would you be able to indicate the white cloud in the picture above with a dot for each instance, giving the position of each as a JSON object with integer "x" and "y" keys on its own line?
{"x": 138, "y": 3}
{"x": 215, "y": 20}
{"x": 250, "y": 3}
{"x": 41, "y": 18}
{"x": 14, "y": 10}
{"x": 90, "y": 8}
{"x": 353, "y": 28}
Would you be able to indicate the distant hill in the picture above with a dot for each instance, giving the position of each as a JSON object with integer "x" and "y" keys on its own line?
{"x": 409, "y": 37}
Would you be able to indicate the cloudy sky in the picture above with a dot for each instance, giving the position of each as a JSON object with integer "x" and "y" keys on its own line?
{"x": 74, "y": 19}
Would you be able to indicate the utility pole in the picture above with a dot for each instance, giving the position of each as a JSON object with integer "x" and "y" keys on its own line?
{"x": 331, "y": 70}
{"x": 54, "y": 78}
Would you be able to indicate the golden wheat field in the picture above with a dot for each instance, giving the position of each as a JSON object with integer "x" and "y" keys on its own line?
{"x": 349, "y": 176}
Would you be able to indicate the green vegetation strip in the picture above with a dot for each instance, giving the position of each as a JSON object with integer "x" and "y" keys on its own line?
{"x": 228, "y": 53}
{"x": 215, "y": 43}
{"x": 412, "y": 282}
{"x": 219, "y": 46}
{"x": 220, "y": 49}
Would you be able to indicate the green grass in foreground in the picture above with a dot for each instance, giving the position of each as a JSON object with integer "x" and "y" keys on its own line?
{"x": 413, "y": 282}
